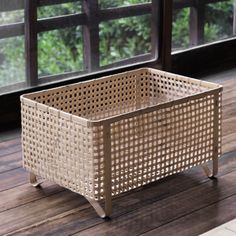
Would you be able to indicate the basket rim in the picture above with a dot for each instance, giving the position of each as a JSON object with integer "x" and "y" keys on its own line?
{"x": 213, "y": 88}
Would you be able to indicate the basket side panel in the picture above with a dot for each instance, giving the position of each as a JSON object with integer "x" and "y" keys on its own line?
{"x": 96, "y": 99}
{"x": 58, "y": 149}
{"x": 154, "y": 145}
{"x": 159, "y": 86}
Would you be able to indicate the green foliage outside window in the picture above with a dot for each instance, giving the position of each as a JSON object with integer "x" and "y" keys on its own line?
{"x": 62, "y": 50}
{"x": 218, "y": 24}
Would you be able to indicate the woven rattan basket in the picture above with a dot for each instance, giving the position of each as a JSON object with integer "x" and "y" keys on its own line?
{"x": 106, "y": 136}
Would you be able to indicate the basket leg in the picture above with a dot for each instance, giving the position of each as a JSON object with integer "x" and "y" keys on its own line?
{"x": 211, "y": 173}
{"x": 33, "y": 180}
{"x": 108, "y": 206}
{"x": 100, "y": 211}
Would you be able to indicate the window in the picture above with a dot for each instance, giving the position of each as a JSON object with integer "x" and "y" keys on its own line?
{"x": 73, "y": 38}
{"x": 201, "y": 22}
{"x": 12, "y": 60}
{"x": 45, "y": 41}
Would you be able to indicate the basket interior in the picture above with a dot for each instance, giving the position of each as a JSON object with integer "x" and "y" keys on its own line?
{"x": 119, "y": 94}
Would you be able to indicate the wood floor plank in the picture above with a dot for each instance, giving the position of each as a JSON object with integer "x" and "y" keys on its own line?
{"x": 10, "y": 143}
{"x": 132, "y": 201}
{"x": 220, "y": 76}
{"x": 228, "y": 126}
{"x": 229, "y": 143}
{"x": 26, "y": 193}
{"x": 71, "y": 223}
{"x": 228, "y": 97}
{"x": 153, "y": 215}
{"x": 199, "y": 221}
{"x": 10, "y": 134}
{"x": 10, "y": 147}
{"x": 10, "y": 162}
{"x": 13, "y": 178}
{"x": 228, "y": 86}
{"x": 40, "y": 210}
{"x": 229, "y": 111}
{"x": 229, "y": 116}
{"x": 230, "y": 83}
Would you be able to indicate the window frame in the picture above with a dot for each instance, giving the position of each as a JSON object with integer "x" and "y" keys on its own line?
{"x": 187, "y": 62}
{"x": 90, "y": 18}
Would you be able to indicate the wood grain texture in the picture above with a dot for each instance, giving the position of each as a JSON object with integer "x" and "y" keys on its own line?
{"x": 10, "y": 147}
{"x": 71, "y": 222}
{"x": 149, "y": 217}
{"x": 10, "y": 162}
{"x": 23, "y": 194}
{"x": 199, "y": 221}
{"x": 37, "y": 211}
{"x": 229, "y": 116}
{"x": 13, "y": 178}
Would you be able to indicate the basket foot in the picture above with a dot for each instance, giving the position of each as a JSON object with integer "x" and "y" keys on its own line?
{"x": 33, "y": 180}
{"x": 104, "y": 214}
{"x": 210, "y": 173}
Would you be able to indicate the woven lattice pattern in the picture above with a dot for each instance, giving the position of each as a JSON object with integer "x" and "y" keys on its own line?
{"x": 159, "y": 124}
{"x": 151, "y": 146}
{"x": 52, "y": 143}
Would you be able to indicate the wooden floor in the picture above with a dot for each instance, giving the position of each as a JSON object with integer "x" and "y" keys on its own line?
{"x": 227, "y": 229}
{"x": 183, "y": 204}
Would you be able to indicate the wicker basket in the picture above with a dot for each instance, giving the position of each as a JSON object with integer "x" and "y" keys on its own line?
{"x": 106, "y": 136}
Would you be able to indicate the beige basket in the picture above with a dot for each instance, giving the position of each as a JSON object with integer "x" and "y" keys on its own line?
{"x": 103, "y": 137}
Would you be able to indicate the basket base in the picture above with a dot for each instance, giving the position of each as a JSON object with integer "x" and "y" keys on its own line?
{"x": 103, "y": 213}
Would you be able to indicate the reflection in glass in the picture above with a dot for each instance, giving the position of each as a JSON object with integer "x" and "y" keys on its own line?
{"x": 60, "y": 51}
{"x": 124, "y": 38}
{"x": 59, "y": 9}
{"x": 180, "y": 29}
{"x": 11, "y": 17}
{"x": 218, "y": 21}
{"x": 12, "y": 62}
{"x": 218, "y": 24}
{"x": 120, "y": 3}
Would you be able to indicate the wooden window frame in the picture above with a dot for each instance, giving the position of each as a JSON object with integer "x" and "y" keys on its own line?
{"x": 89, "y": 19}
{"x": 203, "y": 57}
{"x": 186, "y": 62}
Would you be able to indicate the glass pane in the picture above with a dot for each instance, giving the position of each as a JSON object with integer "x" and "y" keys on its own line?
{"x": 218, "y": 24}
{"x": 119, "y": 3}
{"x": 219, "y": 21}
{"x": 59, "y": 9}
{"x": 124, "y": 38}
{"x": 11, "y": 17}
{"x": 180, "y": 29}
{"x": 12, "y": 63}
{"x": 60, "y": 51}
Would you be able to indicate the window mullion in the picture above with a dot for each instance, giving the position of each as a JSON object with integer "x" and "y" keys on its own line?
{"x": 91, "y": 35}
{"x": 197, "y": 22}
{"x": 31, "y": 42}
{"x": 166, "y": 30}
{"x": 155, "y": 27}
